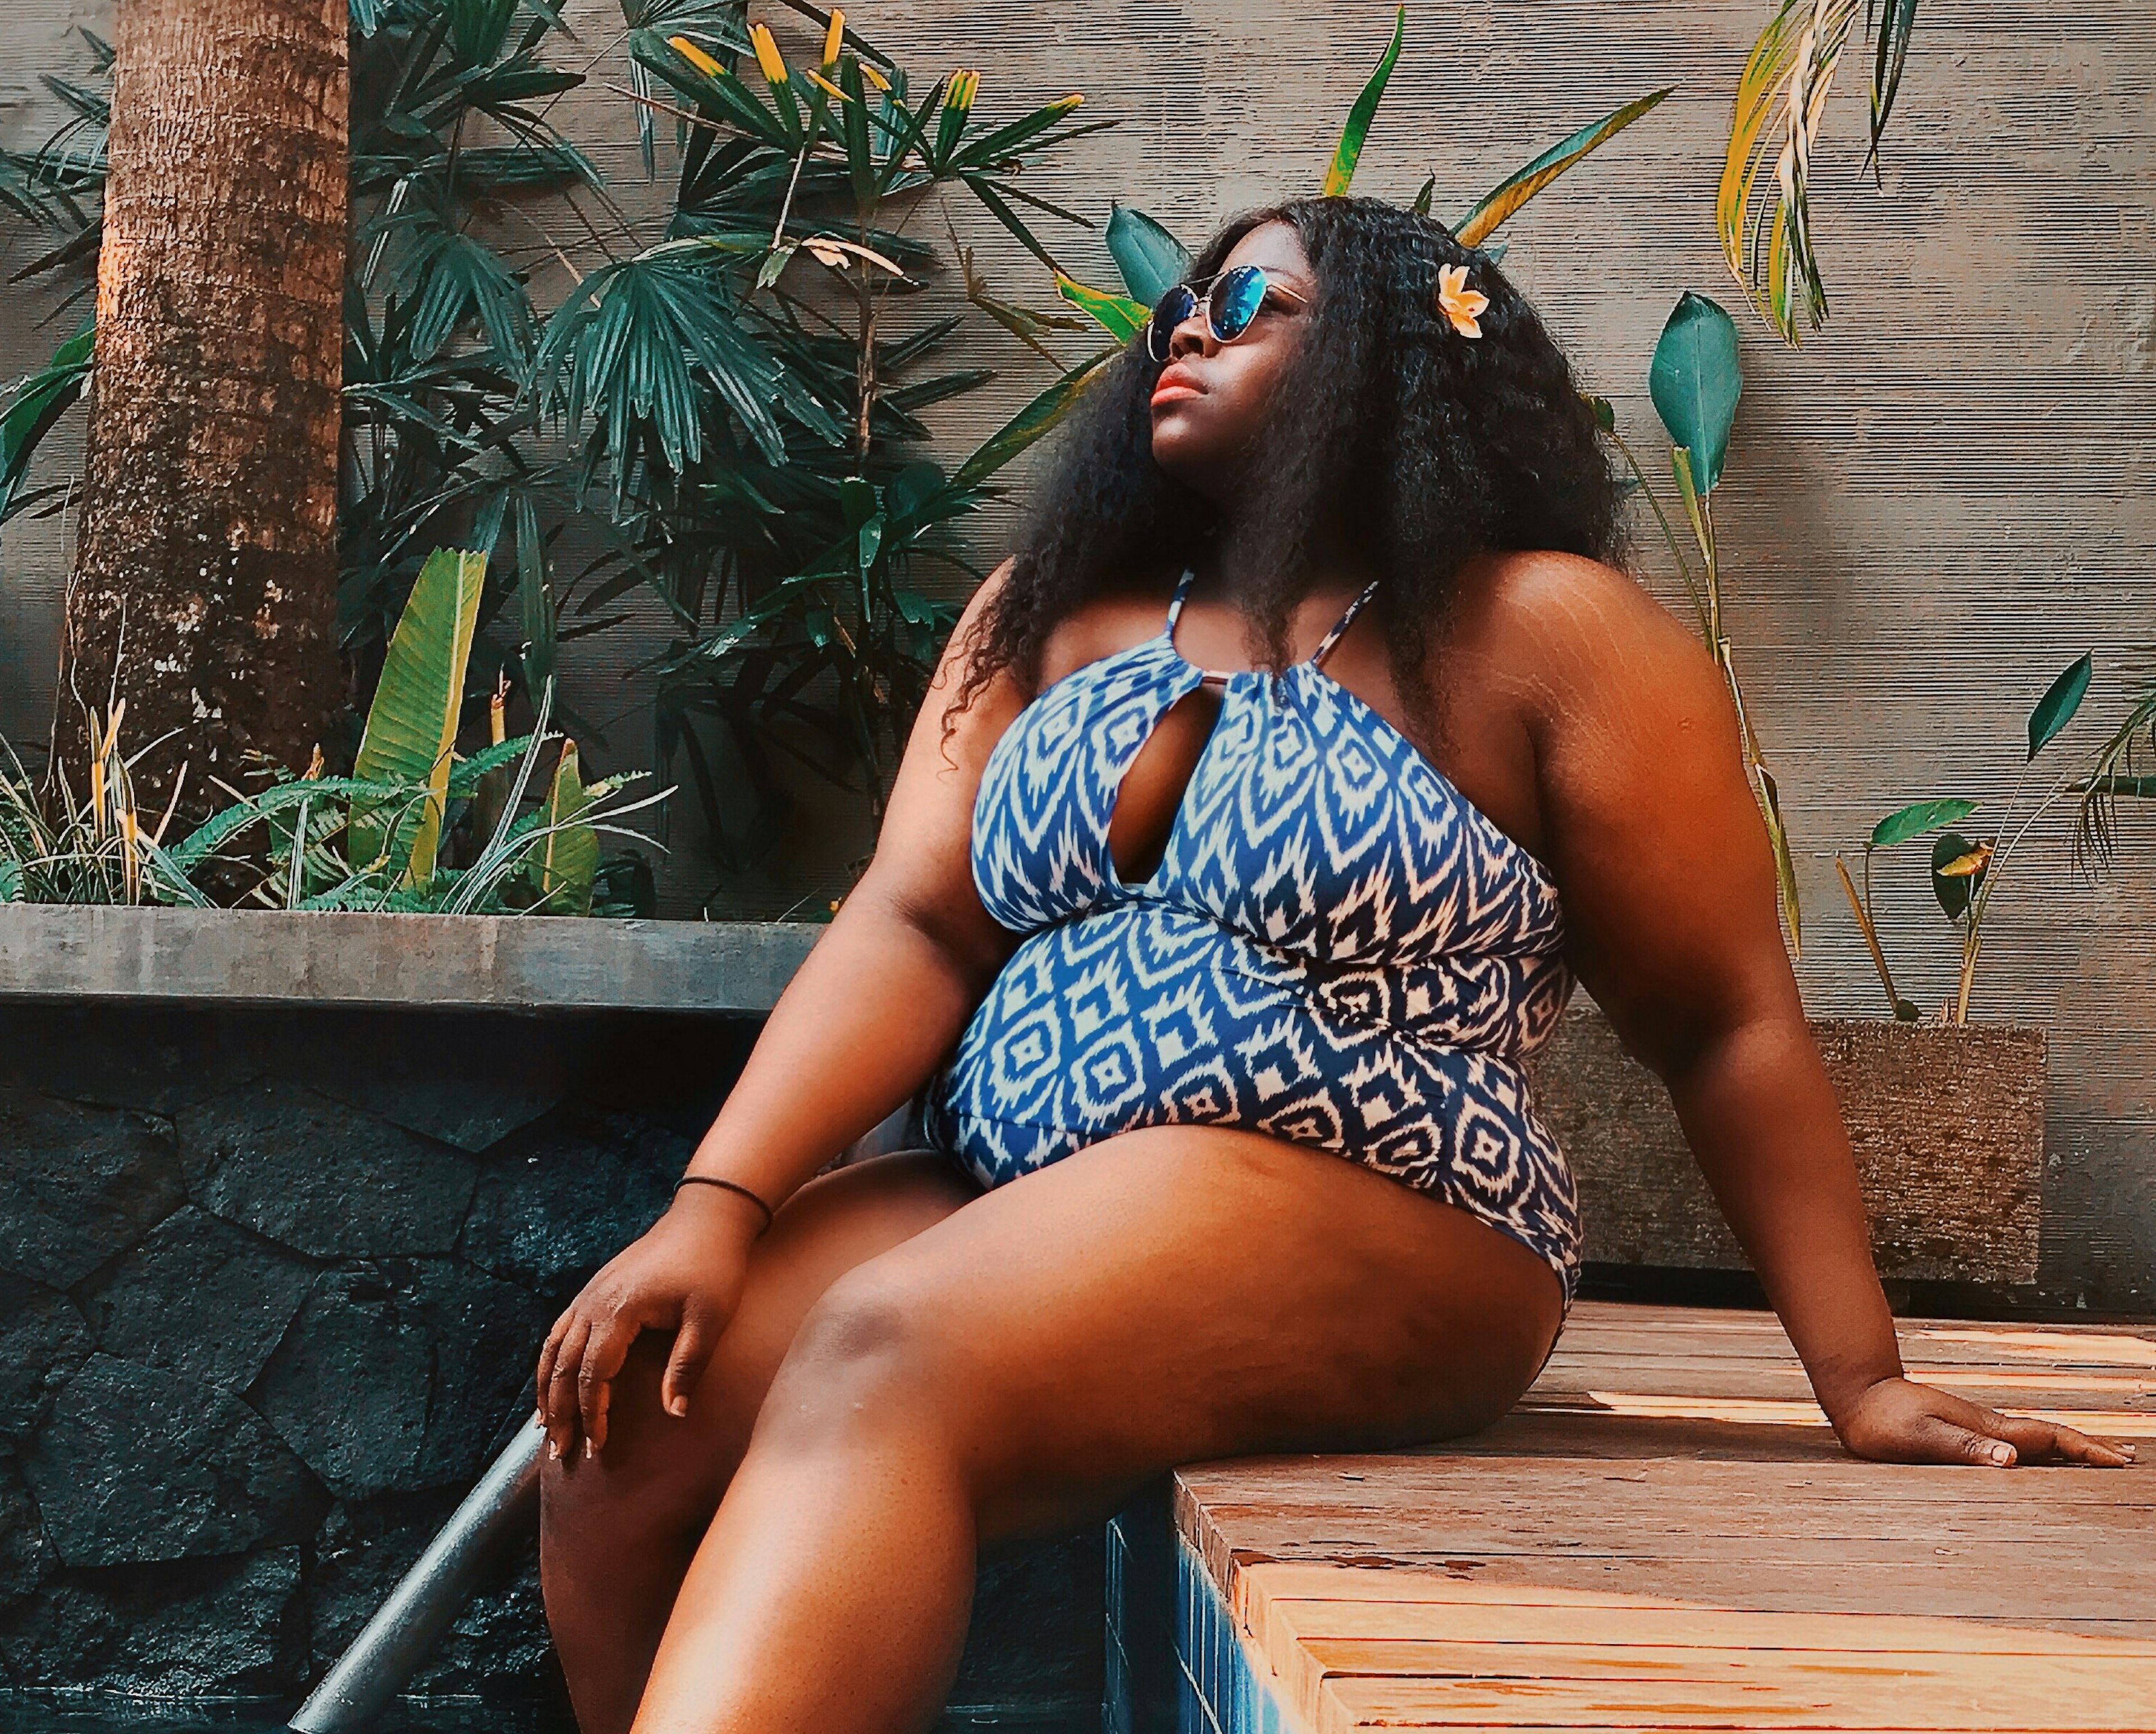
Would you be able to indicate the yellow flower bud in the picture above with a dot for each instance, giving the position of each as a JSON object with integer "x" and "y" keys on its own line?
{"x": 695, "y": 57}
{"x": 874, "y": 77}
{"x": 834, "y": 37}
{"x": 767, "y": 53}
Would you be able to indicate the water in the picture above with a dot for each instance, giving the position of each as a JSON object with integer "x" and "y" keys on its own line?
{"x": 103, "y": 1713}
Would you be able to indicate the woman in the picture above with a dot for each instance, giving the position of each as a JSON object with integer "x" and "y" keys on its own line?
{"x": 1266, "y": 804}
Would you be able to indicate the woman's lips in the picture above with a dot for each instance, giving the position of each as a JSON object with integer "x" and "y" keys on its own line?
{"x": 1173, "y": 385}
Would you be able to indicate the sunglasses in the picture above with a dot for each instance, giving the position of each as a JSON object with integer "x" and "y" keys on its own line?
{"x": 1229, "y": 305}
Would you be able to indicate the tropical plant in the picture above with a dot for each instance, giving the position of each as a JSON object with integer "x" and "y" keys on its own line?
{"x": 738, "y": 443}
{"x": 1695, "y": 381}
{"x": 748, "y": 394}
{"x": 1765, "y": 223}
{"x": 1965, "y": 871}
{"x": 379, "y": 840}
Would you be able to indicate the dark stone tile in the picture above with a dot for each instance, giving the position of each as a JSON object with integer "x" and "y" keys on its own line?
{"x": 137, "y": 1465}
{"x": 485, "y": 1335}
{"x": 552, "y": 1207}
{"x": 27, "y": 1558}
{"x": 322, "y": 1178}
{"x": 471, "y": 1113}
{"x": 199, "y": 1297}
{"x": 347, "y": 1387}
{"x": 218, "y": 1628}
{"x": 43, "y": 1341}
{"x": 79, "y": 1185}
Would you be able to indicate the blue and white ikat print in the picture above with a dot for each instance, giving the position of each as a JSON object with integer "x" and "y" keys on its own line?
{"x": 1337, "y": 949}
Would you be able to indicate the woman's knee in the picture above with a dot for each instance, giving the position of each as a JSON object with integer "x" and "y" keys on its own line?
{"x": 875, "y": 1353}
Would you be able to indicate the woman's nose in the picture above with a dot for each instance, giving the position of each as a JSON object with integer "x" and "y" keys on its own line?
{"x": 1193, "y": 336}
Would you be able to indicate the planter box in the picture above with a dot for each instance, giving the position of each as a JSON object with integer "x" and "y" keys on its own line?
{"x": 1947, "y": 1126}
{"x": 286, "y": 1204}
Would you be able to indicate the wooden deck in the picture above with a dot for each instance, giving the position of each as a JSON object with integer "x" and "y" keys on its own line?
{"x": 1666, "y": 1535}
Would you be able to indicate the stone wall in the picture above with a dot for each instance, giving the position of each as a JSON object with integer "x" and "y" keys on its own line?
{"x": 271, "y": 1285}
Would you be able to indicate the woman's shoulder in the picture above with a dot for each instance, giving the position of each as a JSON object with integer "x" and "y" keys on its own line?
{"x": 1575, "y": 614}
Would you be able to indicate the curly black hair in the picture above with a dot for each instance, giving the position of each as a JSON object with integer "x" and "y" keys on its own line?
{"x": 1416, "y": 446}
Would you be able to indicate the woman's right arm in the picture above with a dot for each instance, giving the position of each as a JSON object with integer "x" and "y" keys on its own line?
{"x": 879, "y": 1003}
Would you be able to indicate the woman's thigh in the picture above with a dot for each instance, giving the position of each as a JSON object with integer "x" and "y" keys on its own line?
{"x": 1169, "y": 1296}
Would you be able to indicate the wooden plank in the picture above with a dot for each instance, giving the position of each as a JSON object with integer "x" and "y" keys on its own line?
{"x": 1581, "y": 1566}
{"x": 1985, "y": 1694}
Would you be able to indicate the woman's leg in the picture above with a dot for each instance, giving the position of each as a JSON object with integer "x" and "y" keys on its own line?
{"x": 1167, "y": 1296}
{"x": 617, "y": 1531}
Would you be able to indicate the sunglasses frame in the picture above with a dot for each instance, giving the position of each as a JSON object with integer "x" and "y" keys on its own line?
{"x": 1203, "y": 304}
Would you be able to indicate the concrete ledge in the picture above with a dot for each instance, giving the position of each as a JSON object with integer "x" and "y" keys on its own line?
{"x": 487, "y": 962}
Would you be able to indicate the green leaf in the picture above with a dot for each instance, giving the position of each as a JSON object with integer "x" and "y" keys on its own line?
{"x": 1426, "y": 196}
{"x": 1898, "y": 21}
{"x": 1696, "y": 380}
{"x": 1914, "y": 821}
{"x": 39, "y": 402}
{"x": 857, "y": 501}
{"x": 534, "y": 599}
{"x": 1349, "y": 150}
{"x": 1953, "y": 891}
{"x": 412, "y": 725}
{"x": 868, "y": 541}
{"x": 1120, "y": 316}
{"x": 2061, "y": 700}
{"x": 1037, "y": 419}
{"x": 568, "y": 859}
{"x": 1605, "y": 413}
{"x": 1517, "y": 188}
{"x": 1152, "y": 260}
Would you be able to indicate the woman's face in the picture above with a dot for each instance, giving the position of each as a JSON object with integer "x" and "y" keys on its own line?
{"x": 1213, "y": 398}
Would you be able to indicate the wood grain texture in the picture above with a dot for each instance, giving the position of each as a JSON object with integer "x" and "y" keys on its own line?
{"x": 1930, "y": 508}
{"x": 1947, "y": 1126}
{"x": 1577, "y": 1566}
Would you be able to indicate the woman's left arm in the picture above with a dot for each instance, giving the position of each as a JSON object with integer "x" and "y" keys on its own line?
{"x": 1667, "y": 878}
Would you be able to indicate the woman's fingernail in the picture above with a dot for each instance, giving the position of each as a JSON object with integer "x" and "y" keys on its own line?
{"x": 678, "y": 1406}
{"x": 588, "y": 1444}
{"x": 554, "y": 1449}
{"x": 2002, "y": 1453}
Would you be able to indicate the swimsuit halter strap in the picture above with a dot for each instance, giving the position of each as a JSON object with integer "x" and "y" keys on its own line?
{"x": 1341, "y": 626}
{"x": 1182, "y": 590}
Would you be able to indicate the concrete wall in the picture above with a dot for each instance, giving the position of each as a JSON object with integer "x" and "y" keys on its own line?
{"x": 1929, "y": 510}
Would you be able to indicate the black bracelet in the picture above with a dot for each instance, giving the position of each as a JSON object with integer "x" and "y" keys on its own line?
{"x": 731, "y": 1186}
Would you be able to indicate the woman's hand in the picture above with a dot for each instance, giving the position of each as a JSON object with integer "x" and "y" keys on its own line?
{"x": 1897, "y": 1420}
{"x": 684, "y": 1275}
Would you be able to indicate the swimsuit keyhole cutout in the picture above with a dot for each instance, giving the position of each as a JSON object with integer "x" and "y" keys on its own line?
{"x": 1150, "y": 796}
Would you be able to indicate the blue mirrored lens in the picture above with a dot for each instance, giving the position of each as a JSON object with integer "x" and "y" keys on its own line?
{"x": 1236, "y": 298}
{"x": 1169, "y": 312}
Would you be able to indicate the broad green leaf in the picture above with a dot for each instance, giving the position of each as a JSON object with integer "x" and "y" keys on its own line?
{"x": 1914, "y": 821}
{"x": 2061, "y": 700}
{"x": 569, "y": 853}
{"x": 1120, "y": 316}
{"x": 1953, "y": 890}
{"x": 1694, "y": 380}
{"x": 1152, "y": 260}
{"x": 1517, "y": 188}
{"x": 412, "y": 725}
{"x": 1349, "y": 150}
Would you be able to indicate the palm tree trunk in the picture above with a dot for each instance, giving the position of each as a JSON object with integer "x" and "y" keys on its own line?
{"x": 205, "y": 592}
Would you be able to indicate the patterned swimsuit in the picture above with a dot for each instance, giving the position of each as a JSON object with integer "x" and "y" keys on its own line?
{"x": 1337, "y": 948}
